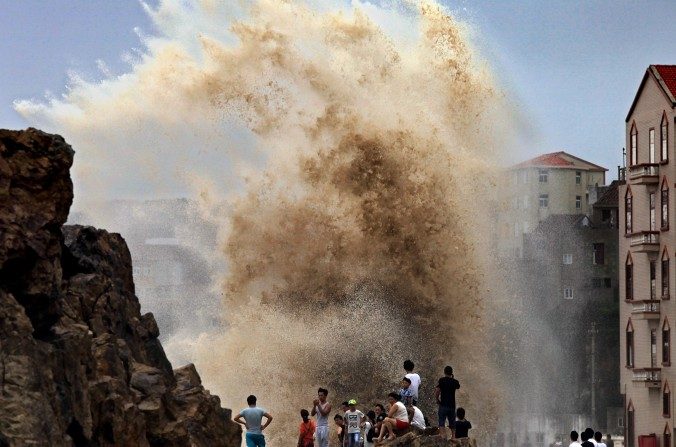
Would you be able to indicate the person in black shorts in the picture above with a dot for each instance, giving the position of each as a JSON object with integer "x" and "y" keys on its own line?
{"x": 445, "y": 394}
{"x": 462, "y": 426}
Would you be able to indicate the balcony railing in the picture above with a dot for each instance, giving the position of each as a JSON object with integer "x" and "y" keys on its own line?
{"x": 645, "y": 238}
{"x": 646, "y": 306}
{"x": 646, "y": 309}
{"x": 651, "y": 377}
{"x": 650, "y": 169}
{"x": 647, "y": 171}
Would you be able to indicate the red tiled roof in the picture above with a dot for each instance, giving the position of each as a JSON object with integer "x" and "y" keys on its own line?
{"x": 553, "y": 159}
{"x": 557, "y": 160}
{"x": 668, "y": 74}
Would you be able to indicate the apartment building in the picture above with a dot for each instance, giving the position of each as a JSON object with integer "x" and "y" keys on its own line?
{"x": 647, "y": 274}
{"x": 550, "y": 184}
{"x": 570, "y": 277}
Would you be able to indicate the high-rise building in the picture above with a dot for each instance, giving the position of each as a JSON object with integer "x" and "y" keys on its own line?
{"x": 647, "y": 246}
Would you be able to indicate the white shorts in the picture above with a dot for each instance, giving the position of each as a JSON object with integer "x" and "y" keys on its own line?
{"x": 322, "y": 436}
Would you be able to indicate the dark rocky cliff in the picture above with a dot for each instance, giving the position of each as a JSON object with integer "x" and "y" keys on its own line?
{"x": 79, "y": 364}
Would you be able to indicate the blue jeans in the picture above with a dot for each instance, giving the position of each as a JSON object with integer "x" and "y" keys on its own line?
{"x": 255, "y": 440}
{"x": 352, "y": 440}
{"x": 446, "y": 413}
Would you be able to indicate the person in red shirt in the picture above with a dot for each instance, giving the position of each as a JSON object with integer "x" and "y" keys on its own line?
{"x": 307, "y": 430}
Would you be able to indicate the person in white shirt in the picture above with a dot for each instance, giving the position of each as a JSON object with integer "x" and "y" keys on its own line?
{"x": 397, "y": 418}
{"x": 414, "y": 378}
{"x": 598, "y": 437}
{"x": 354, "y": 420}
{"x": 321, "y": 409}
{"x": 418, "y": 419}
{"x": 574, "y": 442}
{"x": 590, "y": 435}
{"x": 368, "y": 428}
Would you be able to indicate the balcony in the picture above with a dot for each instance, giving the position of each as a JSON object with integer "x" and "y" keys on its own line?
{"x": 645, "y": 241}
{"x": 646, "y": 309}
{"x": 644, "y": 174}
{"x": 650, "y": 377}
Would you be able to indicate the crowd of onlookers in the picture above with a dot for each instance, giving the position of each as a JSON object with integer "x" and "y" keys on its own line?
{"x": 589, "y": 438}
{"x": 353, "y": 428}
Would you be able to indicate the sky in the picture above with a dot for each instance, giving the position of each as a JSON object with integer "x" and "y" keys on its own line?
{"x": 571, "y": 68}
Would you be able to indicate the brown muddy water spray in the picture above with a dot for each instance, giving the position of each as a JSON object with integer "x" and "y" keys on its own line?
{"x": 360, "y": 234}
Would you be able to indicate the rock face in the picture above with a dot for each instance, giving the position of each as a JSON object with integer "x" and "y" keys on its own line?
{"x": 79, "y": 364}
{"x": 430, "y": 437}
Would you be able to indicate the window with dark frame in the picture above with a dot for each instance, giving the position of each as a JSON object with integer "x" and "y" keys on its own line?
{"x": 629, "y": 279}
{"x": 653, "y": 280}
{"x": 543, "y": 175}
{"x": 664, "y": 135}
{"x": 630, "y": 426}
{"x": 666, "y": 437}
{"x": 578, "y": 202}
{"x": 666, "y": 343}
{"x": 665, "y": 276}
{"x": 653, "y": 348}
{"x": 666, "y": 401}
{"x": 578, "y": 177}
{"x": 630, "y": 345}
{"x": 665, "y": 205}
{"x": 599, "y": 257}
{"x": 633, "y": 145}
{"x": 627, "y": 212}
{"x": 653, "y": 223}
{"x": 544, "y": 200}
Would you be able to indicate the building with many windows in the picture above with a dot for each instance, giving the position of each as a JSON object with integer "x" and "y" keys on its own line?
{"x": 550, "y": 184}
{"x": 647, "y": 246}
{"x": 561, "y": 281}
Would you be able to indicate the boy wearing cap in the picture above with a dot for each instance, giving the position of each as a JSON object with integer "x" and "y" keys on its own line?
{"x": 406, "y": 392}
{"x": 354, "y": 420}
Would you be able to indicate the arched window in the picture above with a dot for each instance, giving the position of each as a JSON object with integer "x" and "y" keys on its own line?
{"x": 664, "y": 137}
{"x": 633, "y": 145}
{"x": 666, "y": 400}
{"x": 665, "y": 274}
{"x": 666, "y": 437}
{"x": 665, "y": 204}
{"x": 630, "y": 344}
{"x": 630, "y": 425}
{"x": 627, "y": 212}
{"x": 666, "y": 343}
{"x": 629, "y": 278}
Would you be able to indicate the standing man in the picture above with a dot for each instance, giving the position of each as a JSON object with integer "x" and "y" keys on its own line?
{"x": 253, "y": 416}
{"x": 414, "y": 378}
{"x": 354, "y": 419}
{"x": 445, "y": 394}
{"x": 321, "y": 409}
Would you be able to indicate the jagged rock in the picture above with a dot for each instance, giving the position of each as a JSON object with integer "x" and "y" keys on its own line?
{"x": 79, "y": 364}
{"x": 430, "y": 437}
